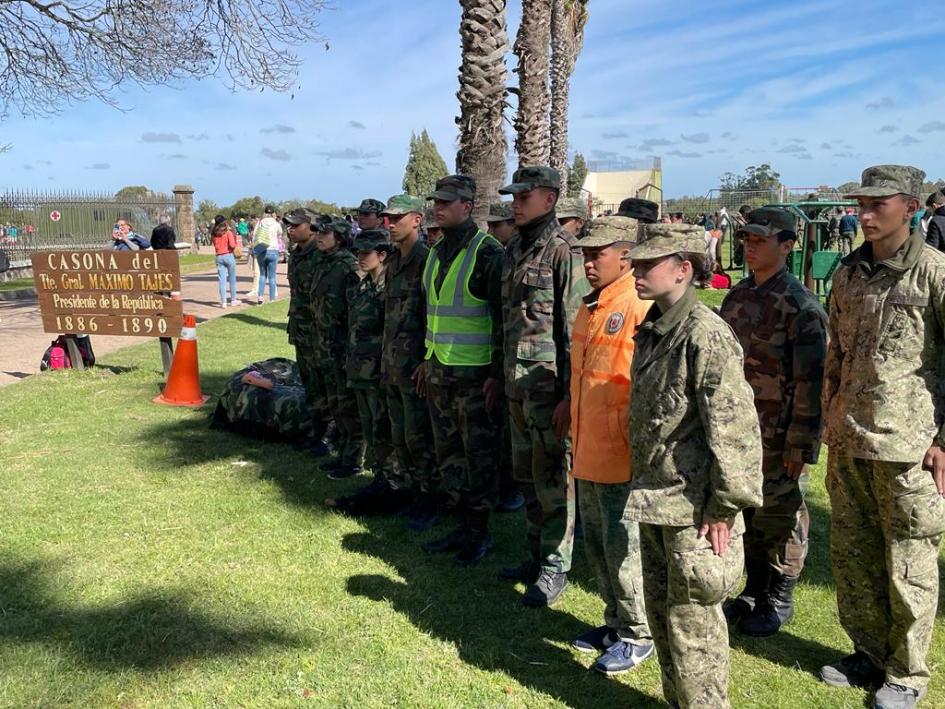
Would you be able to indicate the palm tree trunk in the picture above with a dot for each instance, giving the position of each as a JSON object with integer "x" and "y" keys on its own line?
{"x": 568, "y": 18}
{"x": 532, "y": 47}
{"x": 482, "y": 98}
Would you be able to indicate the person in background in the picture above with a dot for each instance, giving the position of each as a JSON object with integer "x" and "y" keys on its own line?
{"x": 935, "y": 224}
{"x": 572, "y": 215}
{"x": 124, "y": 238}
{"x": 848, "y": 227}
{"x": 431, "y": 230}
{"x": 266, "y": 250}
{"x": 163, "y": 236}
{"x": 224, "y": 244}
{"x": 720, "y": 279}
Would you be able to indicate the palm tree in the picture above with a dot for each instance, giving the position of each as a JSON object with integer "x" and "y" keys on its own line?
{"x": 482, "y": 98}
{"x": 568, "y": 18}
{"x": 531, "y": 47}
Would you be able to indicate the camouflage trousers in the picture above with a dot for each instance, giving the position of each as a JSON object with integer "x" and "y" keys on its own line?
{"x": 612, "y": 546}
{"x": 410, "y": 436}
{"x": 341, "y": 402}
{"x": 777, "y": 532}
{"x": 684, "y": 584}
{"x": 466, "y": 440}
{"x": 507, "y": 485}
{"x": 314, "y": 388}
{"x": 541, "y": 464}
{"x": 375, "y": 426}
{"x": 886, "y": 525}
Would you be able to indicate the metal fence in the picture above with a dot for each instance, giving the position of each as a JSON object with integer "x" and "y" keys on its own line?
{"x": 36, "y": 220}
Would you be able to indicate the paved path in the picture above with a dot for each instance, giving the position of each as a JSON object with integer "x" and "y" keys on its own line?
{"x": 22, "y": 340}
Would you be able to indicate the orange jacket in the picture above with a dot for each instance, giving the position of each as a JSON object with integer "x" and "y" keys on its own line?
{"x": 601, "y": 351}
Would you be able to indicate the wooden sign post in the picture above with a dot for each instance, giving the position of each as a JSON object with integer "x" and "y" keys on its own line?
{"x": 109, "y": 293}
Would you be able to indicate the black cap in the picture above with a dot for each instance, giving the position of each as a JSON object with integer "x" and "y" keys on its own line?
{"x": 371, "y": 206}
{"x": 453, "y": 187}
{"x": 643, "y": 210}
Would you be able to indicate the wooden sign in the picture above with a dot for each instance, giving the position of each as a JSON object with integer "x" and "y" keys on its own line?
{"x": 109, "y": 292}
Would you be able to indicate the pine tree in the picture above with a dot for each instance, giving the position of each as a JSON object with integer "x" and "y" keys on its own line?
{"x": 424, "y": 166}
{"x": 577, "y": 175}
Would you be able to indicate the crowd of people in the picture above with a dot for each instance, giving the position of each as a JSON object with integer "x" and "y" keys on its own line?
{"x": 575, "y": 354}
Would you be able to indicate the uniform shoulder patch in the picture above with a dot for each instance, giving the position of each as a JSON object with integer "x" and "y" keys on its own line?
{"x": 614, "y": 323}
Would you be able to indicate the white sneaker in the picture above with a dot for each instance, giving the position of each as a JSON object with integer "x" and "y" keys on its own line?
{"x": 223, "y": 304}
{"x": 236, "y": 302}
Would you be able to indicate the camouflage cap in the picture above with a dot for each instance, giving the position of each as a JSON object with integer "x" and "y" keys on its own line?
{"x": 322, "y": 222}
{"x": 403, "y": 204}
{"x": 369, "y": 206}
{"x": 661, "y": 240}
{"x": 453, "y": 187}
{"x": 499, "y": 212}
{"x": 301, "y": 215}
{"x": 428, "y": 220}
{"x": 571, "y": 207}
{"x": 887, "y": 180}
{"x": 605, "y": 231}
{"x": 337, "y": 225}
{"x": 642, "y": 210}
{"x": 529, "y": 177}
{"x": 371, "y": 240}
{"x": 769, "y": 221}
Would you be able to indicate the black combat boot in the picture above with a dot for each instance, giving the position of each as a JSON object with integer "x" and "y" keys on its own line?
{"x": 452, "y": 541}
{"x": 478, "y": 541}
{"x": 425, "y": 512}
{"x": 775, "y": 610}
{"x": 756, "y": 586}
{"x": 526, "y": 572}
{"x": 546, "y": 590}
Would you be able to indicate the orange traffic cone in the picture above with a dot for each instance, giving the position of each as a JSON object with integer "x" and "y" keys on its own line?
{"x": 183, "y": 383}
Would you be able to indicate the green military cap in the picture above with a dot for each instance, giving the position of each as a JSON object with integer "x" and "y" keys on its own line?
{"x": 571, "y": 207}
{"x": 337, "y": 225}
{"x": 888, "y": 180}
{"x": 371, "y": 240}
{"x": 453, "y": 187}
{"x": 499, "y": 212}
{"x": 529, "y": 177}
{"x": 369, "y": 206}
{"x": 661, "y": 240}
{"x": 428, "y": 220}
{"x": 301, "y": 215}
{"x": 642, "y": 210}
{"x": 769, "y": 221}
{"x": 403, "y": 204}
{"x": 605, "y": 231}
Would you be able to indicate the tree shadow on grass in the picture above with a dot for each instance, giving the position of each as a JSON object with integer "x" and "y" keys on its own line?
{"x": 485, "y": 620}
{"x": 149, "y": 632}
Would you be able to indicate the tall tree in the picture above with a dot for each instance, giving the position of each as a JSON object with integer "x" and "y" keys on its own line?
{"x": 568, "y": 18}
{"x": 57, "y": 52}
{"x": 532, "y": 44}
{"x": 576, "y": 175}
{"x": 424, "y": 166}
{"x": 482, "y": 93}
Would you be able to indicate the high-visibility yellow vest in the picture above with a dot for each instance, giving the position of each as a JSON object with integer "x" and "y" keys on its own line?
{"x": 459, "y": 325}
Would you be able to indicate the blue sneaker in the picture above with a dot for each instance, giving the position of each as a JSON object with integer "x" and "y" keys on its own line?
{"x": 622, "y": 657}
{"x": 596, "y": 640}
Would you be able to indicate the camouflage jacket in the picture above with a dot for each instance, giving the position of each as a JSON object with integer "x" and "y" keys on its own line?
{"x": 335, "y": 276}
{"x": 694, "y": 436}
{"x": 404, "y": 323}
{"x": 365, "y": 332}
{"x": 884, "y": 384}
{"x": 485, "y": 283}
{"x": 783, "y": 331}
{"x": 301, "y": 270}
{"x": 542, "y": 286}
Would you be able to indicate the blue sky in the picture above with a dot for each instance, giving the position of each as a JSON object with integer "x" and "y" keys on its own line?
{"x": 817, "y": 88}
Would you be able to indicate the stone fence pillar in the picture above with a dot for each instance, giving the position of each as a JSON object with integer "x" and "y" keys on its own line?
{"x": 184, "y": 199}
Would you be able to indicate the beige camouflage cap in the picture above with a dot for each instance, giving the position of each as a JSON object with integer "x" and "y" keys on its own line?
{"x": 887, "y": 180}
{"x": 605, "y": 231}
{"x": 571, "y": 207}
{"x": 661, "y": 240}
{"x": 499, "y": 212}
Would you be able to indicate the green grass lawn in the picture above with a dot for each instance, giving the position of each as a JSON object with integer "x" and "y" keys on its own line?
{"x": 149, "y": 561}
{"x": 192, "y": 263}
{"x": 16, "y": 284}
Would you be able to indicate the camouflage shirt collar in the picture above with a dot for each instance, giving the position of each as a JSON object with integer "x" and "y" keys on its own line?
{"x": 903, "y": 260}
{"x": 659, "y": 323}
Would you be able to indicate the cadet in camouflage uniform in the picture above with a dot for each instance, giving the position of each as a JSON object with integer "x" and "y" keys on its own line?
{"x": 331, "y": 284}
{"x": 783, "y": 331}
{"x": 462, "y": 285}
{"x": 301, "y": 225}
{"x": 369, "y": 213}
{"x": 696, "y": 454}
{"x": 431, "y": 231}
{"x": 501, "y": 225}
{"x": 884, "y": 404}
{"x": 542, "y": 286}
{"x": 643, "y": 210}
{"x": 403, "y": 350}
{"x": 572, "y": 215}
